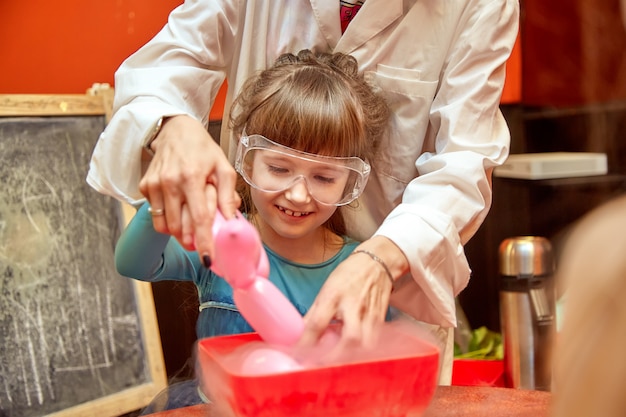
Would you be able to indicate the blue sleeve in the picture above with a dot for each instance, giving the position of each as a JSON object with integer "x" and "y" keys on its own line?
{"x": 145, "y": 254}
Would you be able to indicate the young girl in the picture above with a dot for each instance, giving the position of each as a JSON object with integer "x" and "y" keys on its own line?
{"x": 308, "y": 127}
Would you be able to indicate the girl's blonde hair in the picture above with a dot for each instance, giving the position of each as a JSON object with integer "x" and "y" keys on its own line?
{"x": 314, "y": 103}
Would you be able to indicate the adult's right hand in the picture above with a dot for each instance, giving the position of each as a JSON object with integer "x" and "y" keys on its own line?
{"x": 189, "y": 174}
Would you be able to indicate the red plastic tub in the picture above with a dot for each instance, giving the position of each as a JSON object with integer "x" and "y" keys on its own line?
{"x": 400, "y": 382}
{"x": 478, "y": 372}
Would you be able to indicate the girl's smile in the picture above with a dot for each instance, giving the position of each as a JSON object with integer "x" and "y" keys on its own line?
{"x": 292, "y": 224}
{"x": 293, "y": 213}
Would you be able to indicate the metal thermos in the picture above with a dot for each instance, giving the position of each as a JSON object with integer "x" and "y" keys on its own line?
{"x": 527, "y": 309}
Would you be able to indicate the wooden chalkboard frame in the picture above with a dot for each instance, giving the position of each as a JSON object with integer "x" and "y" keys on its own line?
{"x": 98, "y": 101}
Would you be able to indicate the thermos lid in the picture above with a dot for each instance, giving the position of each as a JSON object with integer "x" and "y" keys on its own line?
{"x": 526, "y": 256}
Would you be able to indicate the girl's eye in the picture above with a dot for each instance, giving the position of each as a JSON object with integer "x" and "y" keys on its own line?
{"x": 276, "y": 169}
{"x": 325, "y": 180}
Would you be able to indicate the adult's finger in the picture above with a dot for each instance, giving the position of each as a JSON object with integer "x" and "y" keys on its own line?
{"x": 228, "y": 200}
{"x": 318, "y": 318}
{"x": 373, "y": 318}
{"x": 202, "y": 200}
{"x": 203, "y": 229}
{"x": 187, "y": 227}
{"x": 151, "y": 188}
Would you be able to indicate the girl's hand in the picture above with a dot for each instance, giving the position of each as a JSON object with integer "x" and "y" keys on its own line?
{"x": 189, "y": 169}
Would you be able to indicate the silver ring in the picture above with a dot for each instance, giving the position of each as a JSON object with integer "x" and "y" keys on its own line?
{"x": 156, "y": 212}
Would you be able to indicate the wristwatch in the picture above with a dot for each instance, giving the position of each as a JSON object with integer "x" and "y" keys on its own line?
{"x": 153, "y": 135}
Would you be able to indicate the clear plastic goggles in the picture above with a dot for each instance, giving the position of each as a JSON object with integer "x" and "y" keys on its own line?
{"x": 271, "y": 167}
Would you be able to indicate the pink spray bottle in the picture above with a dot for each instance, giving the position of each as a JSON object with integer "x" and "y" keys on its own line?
{"x": 242, "y": 262}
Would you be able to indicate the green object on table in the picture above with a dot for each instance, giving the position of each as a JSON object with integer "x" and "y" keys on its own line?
{"x": 484, "y": 344}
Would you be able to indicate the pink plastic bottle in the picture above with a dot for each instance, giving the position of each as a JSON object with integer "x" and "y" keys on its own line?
{"x": 242, "y": 262}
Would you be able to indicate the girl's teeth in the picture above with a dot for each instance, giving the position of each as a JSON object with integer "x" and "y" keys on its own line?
{"x": 293, "y": 213}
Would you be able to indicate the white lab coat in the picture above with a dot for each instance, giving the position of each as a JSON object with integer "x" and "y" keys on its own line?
{"x": 440, "y": 65}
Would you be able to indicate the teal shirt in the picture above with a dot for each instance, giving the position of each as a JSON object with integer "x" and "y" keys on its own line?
{"x": 144, "y": 254}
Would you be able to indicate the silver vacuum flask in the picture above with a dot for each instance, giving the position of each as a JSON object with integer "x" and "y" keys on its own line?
{"x": 527, "y": 310}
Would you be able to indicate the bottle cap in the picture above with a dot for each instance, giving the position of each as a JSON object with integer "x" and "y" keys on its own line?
{"x": 526, "y": 256}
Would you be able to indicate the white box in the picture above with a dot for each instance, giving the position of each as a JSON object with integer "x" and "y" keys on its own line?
{"x": 536, "y": 166}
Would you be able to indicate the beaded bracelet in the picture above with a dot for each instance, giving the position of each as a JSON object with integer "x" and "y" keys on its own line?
{"x": 377, "y": 259}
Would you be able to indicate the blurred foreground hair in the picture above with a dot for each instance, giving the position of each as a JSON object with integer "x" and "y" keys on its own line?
{"x": 588, "y": 358}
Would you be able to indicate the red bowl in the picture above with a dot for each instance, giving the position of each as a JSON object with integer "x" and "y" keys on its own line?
{"x": 396, "y": 383}
{"x": 478, "y": 372}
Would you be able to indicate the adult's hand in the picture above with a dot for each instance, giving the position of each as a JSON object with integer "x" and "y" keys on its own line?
{"x": 188, "y": 170}
{"x": 357, "y": 294}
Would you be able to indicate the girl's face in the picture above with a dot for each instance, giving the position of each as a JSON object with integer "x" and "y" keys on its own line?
{"x": 295, "y": 193}
{"x": 290, "y": 214}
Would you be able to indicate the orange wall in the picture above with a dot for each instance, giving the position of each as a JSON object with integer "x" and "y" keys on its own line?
{"x": 65, "y": 46}
{"x": 60, "y": 47}
{"x": 513, "y": 86}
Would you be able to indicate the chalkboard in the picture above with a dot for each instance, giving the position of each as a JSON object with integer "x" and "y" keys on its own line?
{"x": 76, "y": 338}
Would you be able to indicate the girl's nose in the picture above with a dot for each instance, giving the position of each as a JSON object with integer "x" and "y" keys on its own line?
{"x": 298, "y": 192}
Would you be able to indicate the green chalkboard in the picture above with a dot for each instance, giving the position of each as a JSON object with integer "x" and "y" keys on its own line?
{"x": 75, "y": 336}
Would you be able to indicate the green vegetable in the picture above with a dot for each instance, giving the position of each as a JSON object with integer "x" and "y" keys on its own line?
{"x": 484, "y": 344}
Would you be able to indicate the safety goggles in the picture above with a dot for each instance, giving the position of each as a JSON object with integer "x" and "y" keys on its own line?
{"x": 271, "y": 167}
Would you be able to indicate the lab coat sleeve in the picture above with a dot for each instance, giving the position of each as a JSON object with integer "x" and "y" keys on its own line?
{"x": 178, "y": 72}
{"x": 444, "y": 206}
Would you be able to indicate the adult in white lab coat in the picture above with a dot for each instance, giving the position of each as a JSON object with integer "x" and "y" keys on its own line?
{"x": 441, "y": 66}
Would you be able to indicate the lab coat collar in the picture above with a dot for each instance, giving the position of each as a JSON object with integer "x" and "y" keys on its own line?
{"x": 374, "y": 16}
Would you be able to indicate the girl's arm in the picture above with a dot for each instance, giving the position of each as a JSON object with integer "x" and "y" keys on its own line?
{"x": 145, "y": 254}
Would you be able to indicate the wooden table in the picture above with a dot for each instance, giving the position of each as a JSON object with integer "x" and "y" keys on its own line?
{"x": 488, "y": 401}
{"x": 453, "y": 401}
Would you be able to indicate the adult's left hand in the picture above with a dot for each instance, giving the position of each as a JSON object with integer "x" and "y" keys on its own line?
{"x": 357, "y": 295}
